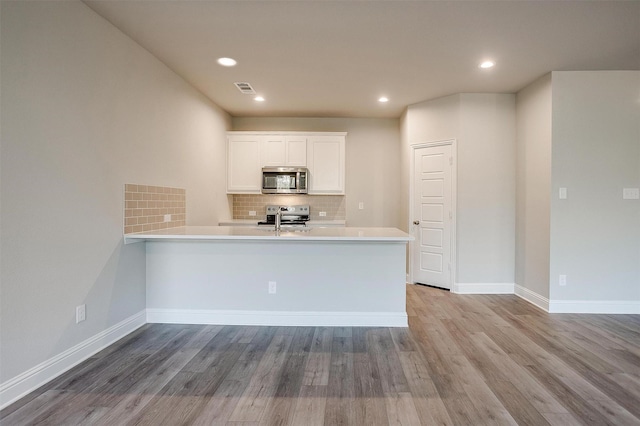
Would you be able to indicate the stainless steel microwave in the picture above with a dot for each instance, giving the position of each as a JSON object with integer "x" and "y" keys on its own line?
{"x": 284, "y": 180}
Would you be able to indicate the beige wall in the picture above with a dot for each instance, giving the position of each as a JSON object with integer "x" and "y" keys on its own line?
{"x": 85, "y": 110}
{"x": 483, "y": 126}
{"x": 595, "y": 234}
{"x": 428, "y": 121}
{"x": 533, "y": 105}
{"x": 486, "y": 188}
{"x": 580, "y": 131}
{"x": 372, "y": 162}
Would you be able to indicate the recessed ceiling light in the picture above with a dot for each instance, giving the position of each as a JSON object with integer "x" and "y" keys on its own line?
{"x": 487, "y": 64}
{"x": 383, "y": 99}
{"x": 259, "y": 99}
{"x": 227, "y": 62}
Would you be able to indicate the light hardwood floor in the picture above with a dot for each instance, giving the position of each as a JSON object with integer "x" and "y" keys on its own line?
{"x": 464, "y": 360}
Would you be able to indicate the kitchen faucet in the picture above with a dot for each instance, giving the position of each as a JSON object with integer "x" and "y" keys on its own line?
{"x": 279, "y": 217}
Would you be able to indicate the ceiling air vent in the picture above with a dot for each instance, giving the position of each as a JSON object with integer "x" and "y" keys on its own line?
{"x": 245, "y": 88}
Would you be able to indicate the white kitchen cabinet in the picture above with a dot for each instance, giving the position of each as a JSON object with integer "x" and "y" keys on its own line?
{"x": 323, "y": 153}
{"x": 244, "y": 167}
{"x": 326, "y": 164}
{"x": 282, "y": 150}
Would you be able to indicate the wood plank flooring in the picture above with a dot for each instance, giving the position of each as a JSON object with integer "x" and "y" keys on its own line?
{"x": 464, "y": 360}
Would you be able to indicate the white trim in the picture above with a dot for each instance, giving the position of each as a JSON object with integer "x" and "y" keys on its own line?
{"x": 483, "y": 288}
{"x": 285, "y": 133}
{"x": 30, "y": 380}
{"x": 613, "y": 307}
{"x": 454, "y": 208}
{"x": 278, "y": 318}
{"x": 532, "y": 297}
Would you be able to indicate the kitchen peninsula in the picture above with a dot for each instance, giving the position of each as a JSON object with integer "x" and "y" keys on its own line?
{"x": 256, "y": 276}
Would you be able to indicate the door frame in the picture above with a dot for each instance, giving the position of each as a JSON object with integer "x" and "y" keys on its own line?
{"x": 454, "y": 196}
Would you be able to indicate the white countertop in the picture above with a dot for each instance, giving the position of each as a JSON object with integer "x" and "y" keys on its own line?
{"x": 254, "y": 222}
{"x": 234, "y": 233}
{"x": 239, "y": 222}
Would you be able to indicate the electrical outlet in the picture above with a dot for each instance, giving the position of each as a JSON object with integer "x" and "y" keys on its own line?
{"x": 323, "y": 214}
{"x": 361, "y": 205}
{"x": 252, "y": 212}
{"x": 272, "y": 287}
{"x": 81, "y": 313}
{"x": 562, "y": 280}
{"x": 167, "y": 218}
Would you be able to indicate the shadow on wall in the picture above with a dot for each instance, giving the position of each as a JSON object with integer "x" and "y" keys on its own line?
{"x": 118, "y": 292}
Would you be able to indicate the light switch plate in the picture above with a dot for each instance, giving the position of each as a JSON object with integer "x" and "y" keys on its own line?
{"x": 562, "y": 193}
{"x": 630, "y": 193}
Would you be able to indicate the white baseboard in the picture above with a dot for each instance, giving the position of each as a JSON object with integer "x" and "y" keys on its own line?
{"x": 532, "y": 297}
{"x": 483, "y": 288}
{"x": 30, "y": 380}
{"x": 278, "y": 318}
{"x": 622, "y": 307}
{"x": 613, "y": 307}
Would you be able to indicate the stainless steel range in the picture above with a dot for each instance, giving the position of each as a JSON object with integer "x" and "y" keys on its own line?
{"x": 286, "y": 216}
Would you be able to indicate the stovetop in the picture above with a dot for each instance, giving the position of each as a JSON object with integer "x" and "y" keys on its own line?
{"x": 291, "y": 215}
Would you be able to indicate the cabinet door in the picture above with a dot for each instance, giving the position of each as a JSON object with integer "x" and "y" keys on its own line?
{"x": 274, "y": 151}
{"x": 296, "y": 151}
{"x": 325, "y": 160}
{"x": 244, "y": 170}
{"x": 279, "y": 150}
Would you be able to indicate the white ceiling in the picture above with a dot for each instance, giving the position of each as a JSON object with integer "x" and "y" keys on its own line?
{"x": 335, "y": 58}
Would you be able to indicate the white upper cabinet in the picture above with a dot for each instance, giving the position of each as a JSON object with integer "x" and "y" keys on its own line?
{"x": 280, "y": 150}
{"x": 326, "y": 163}
{"x": 323, "y": 153}
{"x": 244, "y": 168}
{"x": 296, "y": 151}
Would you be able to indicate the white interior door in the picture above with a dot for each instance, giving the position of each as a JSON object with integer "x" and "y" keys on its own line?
{"x": 432, "y": 216}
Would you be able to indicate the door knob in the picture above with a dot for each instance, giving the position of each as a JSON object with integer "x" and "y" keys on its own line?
{"x": 416, "y": 222}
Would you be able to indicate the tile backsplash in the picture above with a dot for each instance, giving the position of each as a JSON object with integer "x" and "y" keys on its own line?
{"x": 145, "y": 207}
{"x": 333, "y": 205}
